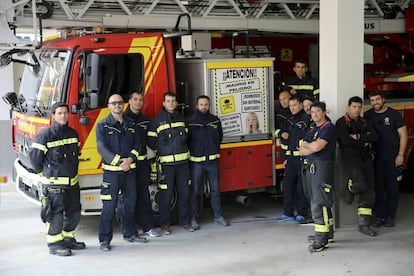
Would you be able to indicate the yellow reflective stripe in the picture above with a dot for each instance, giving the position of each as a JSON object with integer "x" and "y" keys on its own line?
{"x": 197, "y": 159}
{"x": 172, "y": 125}
{"x": 277, "y": 131}
{"x": 287, "y": 152}
{"x": 331, "y": 221}
{"x": 321, "y": 228}
{"x": 135, "y": 153}
{"x": 178, "y": 124}
{"x": 214, "y": 156}
{"x": 70, "y": 234}
{"x": 162, "y": 186}
{"x": 316, "y": 92}
{"x": 305, "y": 161}
{"x": 116, "y": 159}
{"x": 39, "y": 147}
{"x": 365, "y": 211}
{"x": 284, "y": 147}
{"x": 152, "y": 134}
{"x": 175, "y": 157}
{"x": 62, "y": 142}
{"x": 204, "y": 158}
{"x": 141, "y": 157}
{"x": 302, "y": 86}
{"x": 296, "y": 153}
{"x": 117, "y": 168}
{"x": 60, "y": 180}
{"x": 106, "y": 197}
{"x": 54, "y": 238}
{"x": 163, "y": 127}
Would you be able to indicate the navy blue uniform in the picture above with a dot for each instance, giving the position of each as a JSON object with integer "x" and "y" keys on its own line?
{"x": 357, "y": 159}
{"x": 306, "y": 87}
{"x": 144, "y": 206}
{"x": 293, "y": 194}
{"x": 386, "y": 149}
{"x": 55, "y": 153}
{"x": 117, "y": 140}
{"x": 168, "y": 135}
{"x": 281, "y": 123}
{"x": 318, "y": 177}
{"x": 205, "y": 135}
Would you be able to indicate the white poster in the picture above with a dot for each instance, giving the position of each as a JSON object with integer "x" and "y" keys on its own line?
{"x": 241, "y": 99}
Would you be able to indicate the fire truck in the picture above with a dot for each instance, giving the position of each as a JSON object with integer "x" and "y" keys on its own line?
{"x": 392, "y": 72}
{"x": 84, "y": 70}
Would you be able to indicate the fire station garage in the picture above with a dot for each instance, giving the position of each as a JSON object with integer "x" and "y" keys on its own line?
{"x": 242, "y": 54}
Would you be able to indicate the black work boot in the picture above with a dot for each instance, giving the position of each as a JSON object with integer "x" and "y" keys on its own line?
{"x": 317, "y": 246}
{"x": 72, "y": 243}
{"x": 59, "y": 251}
{"x": 311, "y": 239}
{"x": 368, "y": 230}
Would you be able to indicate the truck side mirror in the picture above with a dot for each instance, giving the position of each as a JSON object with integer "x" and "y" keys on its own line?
{"x": 84, "y": 120}
{"x": 93, "y": 71}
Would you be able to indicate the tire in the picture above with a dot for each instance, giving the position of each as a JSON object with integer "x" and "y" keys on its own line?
{"x": 154, "y": 193}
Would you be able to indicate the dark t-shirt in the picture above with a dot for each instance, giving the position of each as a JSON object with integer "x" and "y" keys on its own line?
{"x": 386, "y": 125}
{"x": 326, "y": 132}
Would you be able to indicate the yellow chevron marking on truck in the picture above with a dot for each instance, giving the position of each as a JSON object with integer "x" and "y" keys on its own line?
{"x": 153, "y": 51}
{"x": 90, "y": 143}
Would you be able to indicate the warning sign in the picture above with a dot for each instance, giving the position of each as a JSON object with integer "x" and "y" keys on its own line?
{"x": 251, "y": 102}
{"x": 231, "y": 124}
{"x": 227, "y": 105}
{"x": 242, "y": 96}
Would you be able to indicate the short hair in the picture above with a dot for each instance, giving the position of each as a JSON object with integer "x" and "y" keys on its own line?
{"x": 295, "y": 98}
{"x": 376, "y": 93}
{"x": 202, "y": 97}
{"x": 57, "y": 105}
{"x": 308, "y": 99}
{"x": 169, "y": 93}
{"x": 301, "y": 61}
{"x": 320, "y": 105}
{"x": 135, "y": 92}
{"x": 354, "y": 99}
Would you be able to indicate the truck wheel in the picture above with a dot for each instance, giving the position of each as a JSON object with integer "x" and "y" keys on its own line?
{"x": 155, "y": 200}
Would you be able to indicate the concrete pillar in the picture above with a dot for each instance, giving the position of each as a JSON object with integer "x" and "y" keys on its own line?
{"x": 341, "y": 58}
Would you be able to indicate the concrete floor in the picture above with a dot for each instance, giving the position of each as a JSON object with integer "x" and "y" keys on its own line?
{"x": 253, "y": 245}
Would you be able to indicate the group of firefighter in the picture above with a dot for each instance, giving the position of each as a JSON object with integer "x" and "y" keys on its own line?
{"x": 186, "y": 151}
{"x": 372, "y": 150}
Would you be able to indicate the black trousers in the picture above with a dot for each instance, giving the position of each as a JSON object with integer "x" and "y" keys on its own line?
{"x": 318, "y": 177}
{"x": 65, "y": 205}
{"x": 176, "y": 176}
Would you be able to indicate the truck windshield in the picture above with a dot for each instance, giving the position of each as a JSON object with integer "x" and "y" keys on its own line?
{"x": 40, "y": 90}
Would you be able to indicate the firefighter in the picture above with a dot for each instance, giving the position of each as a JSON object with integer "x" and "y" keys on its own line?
{"x": 355, "y": 135}
{"x": 282, "y": 115}
{"x": 389, "y": 157}
{"x": 205, "y": 135}
{"x": 168, "y": 136}
{"x": 293, "y": 194}
{"x": 300, "y": 83}
{"x": 144, "y": 207}
{"x": 55, "y": 154}
{"x": 318, "y": 151}
{"x": 119, "y": 144}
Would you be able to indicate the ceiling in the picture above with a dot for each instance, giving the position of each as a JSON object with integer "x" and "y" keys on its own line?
{"x": 291, "y": 16}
